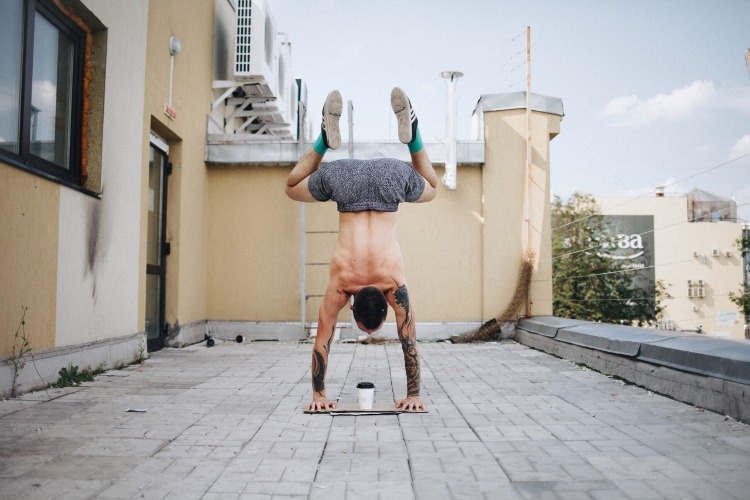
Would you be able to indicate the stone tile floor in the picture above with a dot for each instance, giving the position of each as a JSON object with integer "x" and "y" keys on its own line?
{"x": 226, "y": 422}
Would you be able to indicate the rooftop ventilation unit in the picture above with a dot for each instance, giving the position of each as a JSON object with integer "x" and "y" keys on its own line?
{"x": 267, "y": 104}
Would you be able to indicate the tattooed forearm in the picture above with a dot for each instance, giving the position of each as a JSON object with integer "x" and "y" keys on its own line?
{"x": 411, "y": 363}
{"x": 319, "y": 364}
{"x": 330, "y": 339}
{"x": 406, "y": 328}
{"x": 318, "y": 372}
{"x": 407, "y": 335}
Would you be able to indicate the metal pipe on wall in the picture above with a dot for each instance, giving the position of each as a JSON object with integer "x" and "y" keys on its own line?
{"x": 449, "y": 178}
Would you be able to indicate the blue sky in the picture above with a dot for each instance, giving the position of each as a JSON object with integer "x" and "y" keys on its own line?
{"x": 655, "y": 92}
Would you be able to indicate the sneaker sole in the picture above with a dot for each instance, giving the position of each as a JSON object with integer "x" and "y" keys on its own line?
{"x": 400, "y": 105}
{"x": 331, "y": 115}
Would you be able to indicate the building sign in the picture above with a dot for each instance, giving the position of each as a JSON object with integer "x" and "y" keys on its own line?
{"x": 728, "y": 318}
{"x": 633, "y": 239}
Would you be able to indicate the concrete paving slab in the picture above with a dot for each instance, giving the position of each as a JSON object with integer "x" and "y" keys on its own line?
{"x": 504, "y": 421}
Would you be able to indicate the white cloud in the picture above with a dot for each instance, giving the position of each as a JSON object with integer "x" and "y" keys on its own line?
{"x": 680, "y": 103}
{"x": 741, "y": 147}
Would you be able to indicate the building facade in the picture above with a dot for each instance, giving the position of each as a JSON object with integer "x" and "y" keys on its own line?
{"x": 688, "y": 243}
{"x": 142, "y": 197}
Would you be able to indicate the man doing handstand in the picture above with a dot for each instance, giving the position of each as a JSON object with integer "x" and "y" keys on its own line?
{"x": 367, "y": 261}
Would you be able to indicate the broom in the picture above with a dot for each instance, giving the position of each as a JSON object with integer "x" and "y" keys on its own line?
{"x": 491, "y": 329}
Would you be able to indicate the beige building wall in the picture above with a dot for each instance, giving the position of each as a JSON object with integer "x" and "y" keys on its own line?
{"x": 191, "y": 21}
{"x": 67, "y": 257}
{"x": 253, "y": 250}
{"x": 512, "y": 222}
{"x": 28, "y": 257}
{"x": 70, "y": 255}
{"x": 677, "y": 242}
{"x": 463, "y": 251}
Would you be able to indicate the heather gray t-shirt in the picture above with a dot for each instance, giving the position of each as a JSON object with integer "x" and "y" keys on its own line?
{"x": 357, "y": 185}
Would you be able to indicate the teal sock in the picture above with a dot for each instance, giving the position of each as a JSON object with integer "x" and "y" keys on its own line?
{"x": 320, "y": 146}
{"x": 416, "y": 143}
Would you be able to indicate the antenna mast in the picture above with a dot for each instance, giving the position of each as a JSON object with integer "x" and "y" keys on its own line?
{"x": 529, "y": 170}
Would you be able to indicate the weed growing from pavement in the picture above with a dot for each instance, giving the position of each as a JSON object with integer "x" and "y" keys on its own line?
{"x": 70, "y": 376}
{"x": 21, "y": 347}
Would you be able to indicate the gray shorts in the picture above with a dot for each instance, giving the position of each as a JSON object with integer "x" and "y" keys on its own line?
{"x": 357, "y": 185}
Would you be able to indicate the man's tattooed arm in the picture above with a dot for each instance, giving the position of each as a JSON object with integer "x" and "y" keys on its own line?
{"x": 319, "y": 365}
{"x": 408, "y": 337}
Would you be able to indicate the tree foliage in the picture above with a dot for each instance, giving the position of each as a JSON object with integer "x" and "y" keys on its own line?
{"x": 587, "y": 283}
{"x": 741, "y": 298}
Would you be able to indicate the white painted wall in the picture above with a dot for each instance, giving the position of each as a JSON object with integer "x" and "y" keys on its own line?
{"x": 97, "y": 290}
{"x": 676, "y": 240}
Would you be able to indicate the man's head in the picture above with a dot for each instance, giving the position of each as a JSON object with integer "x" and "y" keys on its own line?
{"x": 369, "y": 308}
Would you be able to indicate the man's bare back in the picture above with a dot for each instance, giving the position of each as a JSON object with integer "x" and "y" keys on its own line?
{"x": 367, "y": 252}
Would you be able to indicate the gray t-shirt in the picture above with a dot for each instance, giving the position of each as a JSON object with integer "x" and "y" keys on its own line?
{"x": 357, "y": 185}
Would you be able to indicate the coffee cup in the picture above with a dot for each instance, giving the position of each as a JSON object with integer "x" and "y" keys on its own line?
{"x": 365, "y": 395}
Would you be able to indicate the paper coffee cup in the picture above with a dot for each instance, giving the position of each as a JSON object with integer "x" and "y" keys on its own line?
{"x": 365, "y": 395}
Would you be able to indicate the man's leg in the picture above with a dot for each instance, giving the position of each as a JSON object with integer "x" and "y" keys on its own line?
{"x": 329, "y": 138}
{"x": 408, "y": 133}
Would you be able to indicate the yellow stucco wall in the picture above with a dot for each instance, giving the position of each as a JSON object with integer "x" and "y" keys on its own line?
{"x": 254, "y": 254}
{"x": 506, "y": 236}
{"x": 187, "y": 193}
{"x": 28, "y": 257}
{"x": 253, "y": 245}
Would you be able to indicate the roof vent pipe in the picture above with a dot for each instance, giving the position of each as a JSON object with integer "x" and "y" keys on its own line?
{"x": 449, "y": 178}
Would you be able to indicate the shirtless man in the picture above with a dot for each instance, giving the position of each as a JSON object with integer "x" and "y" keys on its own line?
{"x": 367, "y": 261}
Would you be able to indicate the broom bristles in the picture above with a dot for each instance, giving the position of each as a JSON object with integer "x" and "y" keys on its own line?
{"x": 491, "y": 329}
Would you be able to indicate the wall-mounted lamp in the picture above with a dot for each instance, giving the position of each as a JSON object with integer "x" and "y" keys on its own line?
{"x": 175, "y": 46}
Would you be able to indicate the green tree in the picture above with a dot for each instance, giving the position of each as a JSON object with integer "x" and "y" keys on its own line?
{"x": 587, "y": 284}
{"x": 741, "y": 298}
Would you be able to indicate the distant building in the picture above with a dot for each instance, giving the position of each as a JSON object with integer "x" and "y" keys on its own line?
{"x": 689, "y": 243}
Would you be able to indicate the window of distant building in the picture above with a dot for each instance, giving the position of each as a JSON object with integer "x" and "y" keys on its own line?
{"x": 41, "y": 89}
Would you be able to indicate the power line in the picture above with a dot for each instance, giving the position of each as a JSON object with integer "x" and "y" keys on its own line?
{"x": 651, "y": 194}
{"x": 594, "y": 247}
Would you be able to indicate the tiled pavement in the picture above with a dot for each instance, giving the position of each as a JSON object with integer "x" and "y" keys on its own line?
{"x": 504, "y": 422}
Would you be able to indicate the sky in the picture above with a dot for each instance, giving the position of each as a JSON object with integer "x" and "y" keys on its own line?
{"x": 655, "y": 92}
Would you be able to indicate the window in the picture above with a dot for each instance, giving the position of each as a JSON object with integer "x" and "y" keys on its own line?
{"x": 41, "y": 80}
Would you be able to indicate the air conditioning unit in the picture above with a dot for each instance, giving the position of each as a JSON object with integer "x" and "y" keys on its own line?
{"x": 728, "y": 254}
{"x": 715, "y": 252}
{"x": 696, "y": 253}
{"x": 262, "y": 67}
{"x": 695, "y": 309}
{"x": 256, "y": 50}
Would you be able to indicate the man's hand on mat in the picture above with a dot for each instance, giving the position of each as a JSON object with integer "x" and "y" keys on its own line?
{"x": 321, "y": 404}
{"x": 411, "y": 403}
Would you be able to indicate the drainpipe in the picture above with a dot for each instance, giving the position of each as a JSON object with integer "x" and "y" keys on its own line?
{"x": 302, "y": 227}
{"x": 449, "y": 178}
